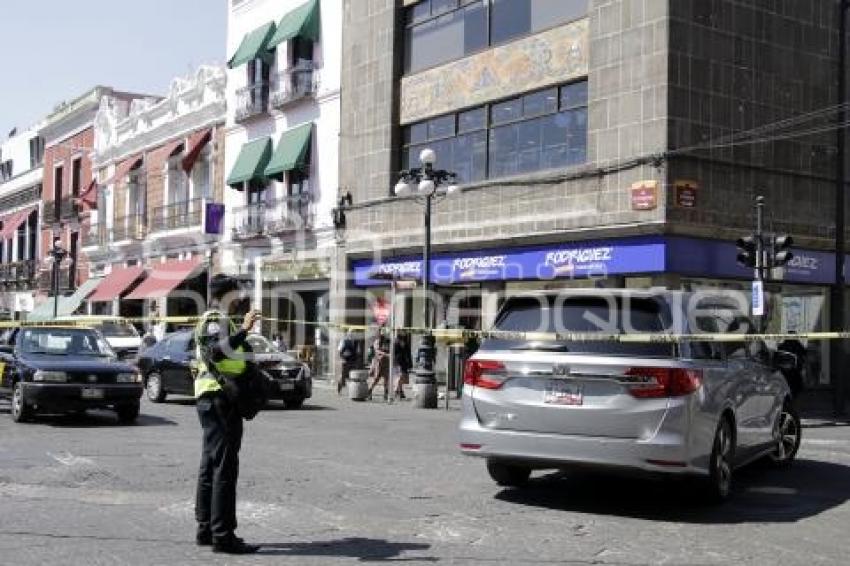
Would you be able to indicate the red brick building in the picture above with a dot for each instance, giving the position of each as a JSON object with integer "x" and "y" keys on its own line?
{"x": 69, "y": 144}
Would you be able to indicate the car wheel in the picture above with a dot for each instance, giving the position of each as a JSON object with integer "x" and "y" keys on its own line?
{"x": 788, "y": 433}
{"x": 293, "y": 402}
{"x": 154, "y": 389}
{"x": 20, "y": 411}
{"x": 508, "y": 475}
{"x": 721, "y": 463}
{"x": 127, "y": 413}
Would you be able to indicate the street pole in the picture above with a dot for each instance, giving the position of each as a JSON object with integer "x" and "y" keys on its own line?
{"x": 55, "y": 286}
{"x": 760, "y": 260}
{"x": 836, "y": 316}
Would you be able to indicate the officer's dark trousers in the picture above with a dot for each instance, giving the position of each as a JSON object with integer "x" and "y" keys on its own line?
{"x": 215, "y": 504}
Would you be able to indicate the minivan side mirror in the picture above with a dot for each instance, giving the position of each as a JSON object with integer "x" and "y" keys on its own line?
{"x": 7, "y": 349}
{"x": 784, "y": 361}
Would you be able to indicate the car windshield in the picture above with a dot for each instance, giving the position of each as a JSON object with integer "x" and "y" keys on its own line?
{"x": 262, "y": 345}
{"x": 117, "y": 329}
{"x": 64, "y": 342}
{"x": 606, "y": 315}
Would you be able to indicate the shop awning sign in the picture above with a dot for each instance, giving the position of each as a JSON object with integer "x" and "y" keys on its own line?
{"x": 575, "y": 260}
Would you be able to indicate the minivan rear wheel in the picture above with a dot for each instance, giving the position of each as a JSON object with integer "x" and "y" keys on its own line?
{"x": 508, "y": 475}
{"x": 787, "y": 432}
{"x": 722, "y": 463}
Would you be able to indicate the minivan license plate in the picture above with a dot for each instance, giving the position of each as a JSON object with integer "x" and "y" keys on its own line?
{"x": 90, "y": 393}
{"x": 560, "y": 392}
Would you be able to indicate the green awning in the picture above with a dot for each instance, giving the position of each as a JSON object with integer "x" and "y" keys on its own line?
{"x": 292, "y": 151}
{"x": 255, "y": 44}
{"x": 67, "y": 305}
{"x": 252, "y": 162}
{"x": 302, "y": 22}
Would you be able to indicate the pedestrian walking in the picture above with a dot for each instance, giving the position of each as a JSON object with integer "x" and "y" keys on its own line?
{"x": 379, "y": 369}
{"x": 403, "y": 362}
{"x": 221, "y": 354}
{"x": 348, "y": 355}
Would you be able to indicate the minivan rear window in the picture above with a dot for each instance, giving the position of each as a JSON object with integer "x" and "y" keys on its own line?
{"x": 608, "y": 315}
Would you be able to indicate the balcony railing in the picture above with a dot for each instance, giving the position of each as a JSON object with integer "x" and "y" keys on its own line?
{"x": 290, "y": 214}
{"x": 67, "y": 209}
{"x": 252, "y": 100}
{"x": 128, "y": 228}
{"x": 294, "y": 84}
{"x": 187, "y": 214}
{"x": 45, "y": 280}
{"x": 20, "y": 274}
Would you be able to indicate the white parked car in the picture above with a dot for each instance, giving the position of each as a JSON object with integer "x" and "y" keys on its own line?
{"x": 120, "y": 334}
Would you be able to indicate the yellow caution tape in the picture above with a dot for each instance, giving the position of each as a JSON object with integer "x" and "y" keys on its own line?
{"x": 462, "y": 334}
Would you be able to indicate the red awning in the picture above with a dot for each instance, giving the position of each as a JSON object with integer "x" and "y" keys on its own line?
{"x": 168, "y": 149}
{"x": 116, "y": 283}
{"x": 122, "y": 170}
{"x": 197, "y": 141}
{"x": 164, "y": 278}
{"x": 12, "y": 222}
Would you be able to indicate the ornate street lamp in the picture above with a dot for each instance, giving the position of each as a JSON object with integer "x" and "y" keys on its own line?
{"x": 57, "y": 255}
{"x": 425, "y": 184}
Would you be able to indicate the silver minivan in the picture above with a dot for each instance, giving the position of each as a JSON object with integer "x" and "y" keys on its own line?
{"x": 675, "y": 407}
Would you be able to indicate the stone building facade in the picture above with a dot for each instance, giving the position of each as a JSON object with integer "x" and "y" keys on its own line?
{"x": 683, "y": 100}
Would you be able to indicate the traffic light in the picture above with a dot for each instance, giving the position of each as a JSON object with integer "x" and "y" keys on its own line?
{"x": 747, "y": 251}
{"x": 781, "y": 250}
{"x": 338, "y": 213}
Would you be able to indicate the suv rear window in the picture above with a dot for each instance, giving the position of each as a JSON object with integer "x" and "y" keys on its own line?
{"x": 617, "y": 315}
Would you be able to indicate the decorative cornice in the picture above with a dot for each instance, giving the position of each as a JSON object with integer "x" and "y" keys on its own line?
{"x": 192, "y": 103}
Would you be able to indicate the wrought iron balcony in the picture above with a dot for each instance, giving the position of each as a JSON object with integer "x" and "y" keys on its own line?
{"x": 67, "y": 209}
{"x": 45, "y": 279}
{"x": 19, "y": 274}
{"x": 252, "y": 100}
{"x": 129, "y": 228}
{"x": 294, "y": 84}
{"x": 290, "y": 214}
{"x": 186, "y": 214}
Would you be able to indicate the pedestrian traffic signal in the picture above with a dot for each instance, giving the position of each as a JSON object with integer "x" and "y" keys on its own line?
{"x": 781, "y": 250}
{"x": 747, "y": 251}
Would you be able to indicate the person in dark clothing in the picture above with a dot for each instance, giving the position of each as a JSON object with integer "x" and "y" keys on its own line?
{"x": 795, "y": 376}
{"x": 403, "y": 361}
{"x": 348, "y": 354}
{"x": 221, "y": 352}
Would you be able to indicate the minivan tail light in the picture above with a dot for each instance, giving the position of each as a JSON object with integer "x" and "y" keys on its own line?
{"x": 654, "y": 383}
{"x": 487, "y": 374}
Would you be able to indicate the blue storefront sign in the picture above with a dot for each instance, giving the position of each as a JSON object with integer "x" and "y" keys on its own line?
{"x": 575, "y": 260}
{"x": 595, "y": 259}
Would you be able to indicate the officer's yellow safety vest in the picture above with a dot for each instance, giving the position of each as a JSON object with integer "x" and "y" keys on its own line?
{"x": 205, "y": 382}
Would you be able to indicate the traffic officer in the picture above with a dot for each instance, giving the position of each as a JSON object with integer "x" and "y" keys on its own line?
{"x": 220, "y": 349}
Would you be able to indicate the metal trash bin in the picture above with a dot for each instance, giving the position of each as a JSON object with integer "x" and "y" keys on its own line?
{"x": 454, "y": 368}
{"x": 358, "y": 386}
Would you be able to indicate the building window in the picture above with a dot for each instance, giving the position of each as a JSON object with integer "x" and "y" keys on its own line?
{"x": 135, "y": 193}
{"x": 76, "y": 174}
{"x": 201, "y": 173}
{"x": 298, "y": 194}
{"x": 58, "y": 178}
{"x": 32, "y": 226}
{"x": 5, "y": 170}
{"x": 178, "y": 186}
{"x": 36, "y": 151}
{"x": 545, "y": 129}
{"x": 439, "y": 31}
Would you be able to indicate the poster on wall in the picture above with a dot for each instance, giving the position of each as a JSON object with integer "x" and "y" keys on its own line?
{"x": 686, "y": 193}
